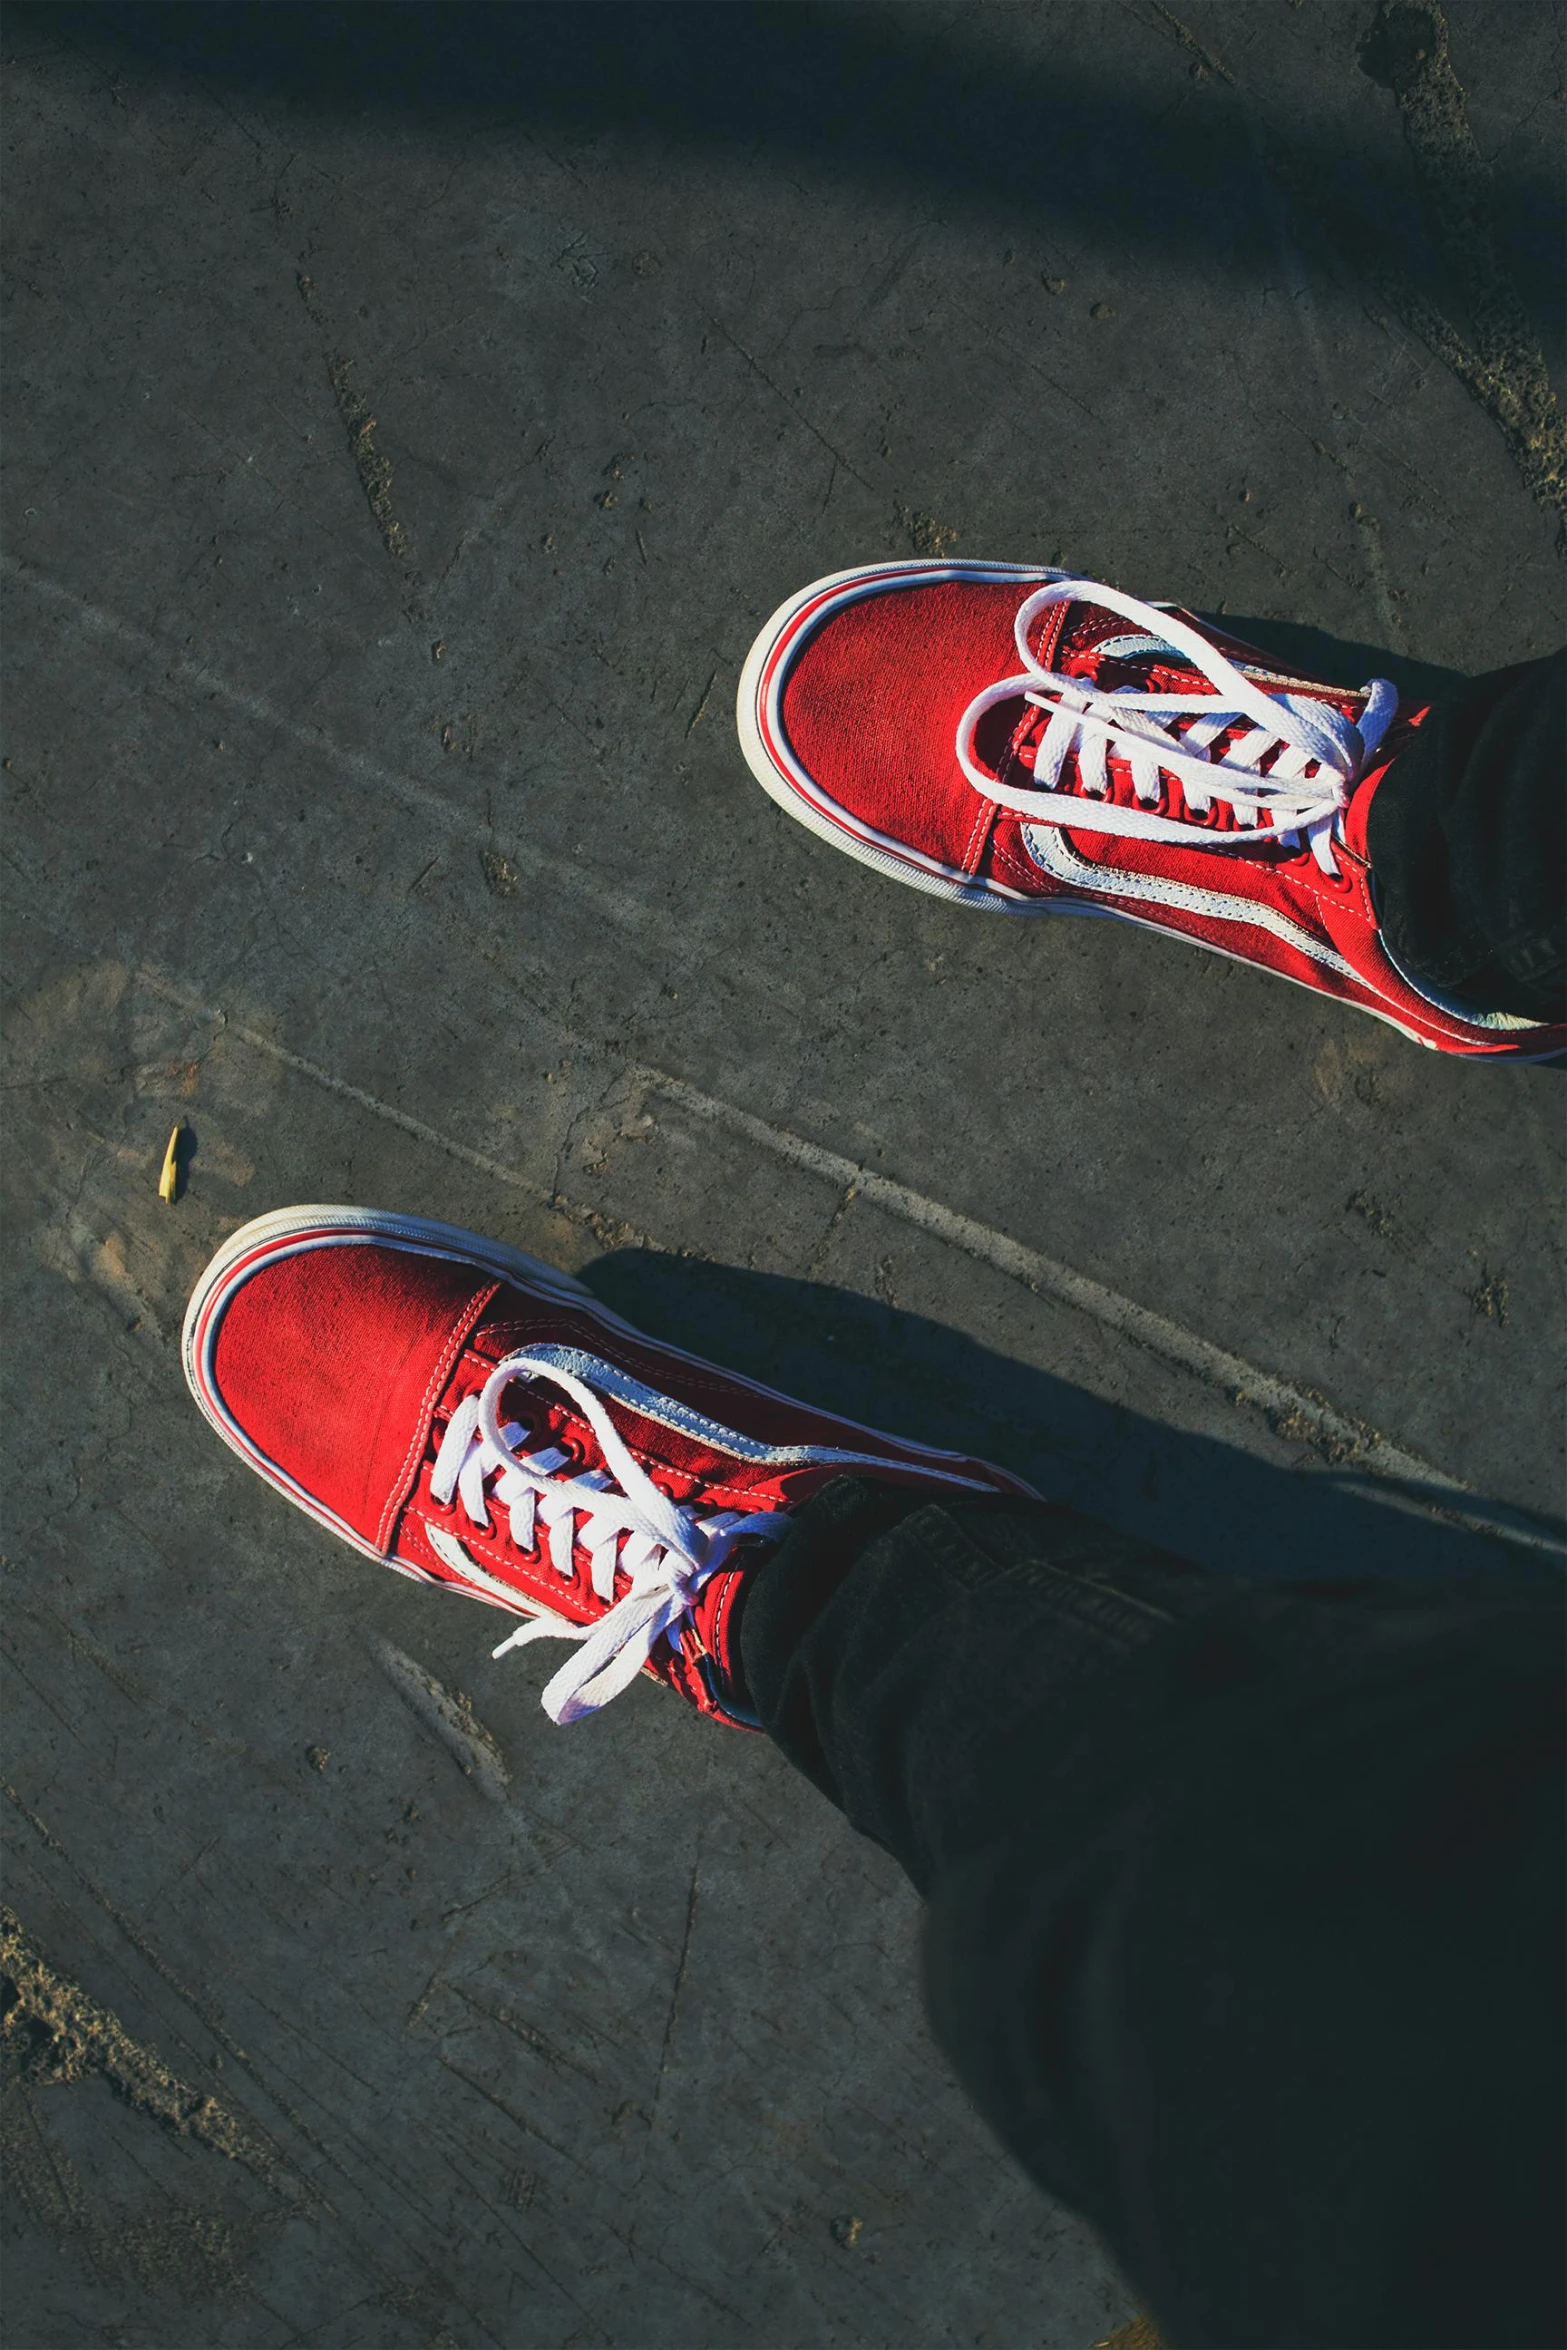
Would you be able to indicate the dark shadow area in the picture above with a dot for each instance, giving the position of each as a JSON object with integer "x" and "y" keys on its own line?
{"x": 963, "y": 115}
{"x": 1196, "y": 1496}
{"x": 1337, "y": 660}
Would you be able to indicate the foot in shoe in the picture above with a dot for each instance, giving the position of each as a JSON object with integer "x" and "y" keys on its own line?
{"x": 1031, "y": 742}
{"x": 477, "y": 1420}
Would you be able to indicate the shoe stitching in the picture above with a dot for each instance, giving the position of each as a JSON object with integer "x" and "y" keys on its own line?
{"x": 987, "y": 812}
{"x": 1303, "y": 795}
{"x": 708, "y": 1384}
{"x": 547, "y": 1590}
{"x": 1173, "y": 898}
{"x": 705, "y": 1492}
{"x": 461, "y": 1331}
{"x": 715, "y": 1384}
{"x": 1050, "y": 641}
{"x": 646, "y": 1350}
{"x": 973, "y": 847}
{"x": 488, "y": 1541}
{"x": 721, "y": 1614}
{"x": 1007, "y": 862}
{"x": 648, "y": 1354}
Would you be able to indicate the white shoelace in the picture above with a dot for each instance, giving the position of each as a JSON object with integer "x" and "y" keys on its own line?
{"x": 668, "y": 1551}
{"x": 1320, "y": 755}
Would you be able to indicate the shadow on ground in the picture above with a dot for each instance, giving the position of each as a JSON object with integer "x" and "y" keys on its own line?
{"x": 972, "y": 107}
{"x": 1190, "y": 1494}
{"x": 1314, "y": 652}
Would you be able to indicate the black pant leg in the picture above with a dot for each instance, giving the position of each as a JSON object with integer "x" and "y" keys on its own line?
{"x": 1244, "y": 1917}
{"x": 1467, "y": 837}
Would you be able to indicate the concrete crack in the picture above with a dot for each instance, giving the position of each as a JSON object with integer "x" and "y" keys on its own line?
{"x": 798, "y": 413}
{"x": 449, "y": 1718}
{"x": 677, "y": 1993}
{"x": 52, "y": 2031}
{"x": 373, "y": 468}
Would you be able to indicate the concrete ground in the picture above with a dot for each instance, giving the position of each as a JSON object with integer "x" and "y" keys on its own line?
{"x": 413, "y": 413}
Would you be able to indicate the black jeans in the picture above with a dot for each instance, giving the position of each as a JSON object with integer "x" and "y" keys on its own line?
{"x": 1244, "y": 1902}
{"x": 1468, "y": 844}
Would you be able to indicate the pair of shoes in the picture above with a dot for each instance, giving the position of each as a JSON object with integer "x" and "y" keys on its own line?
{"x": 1018, "y": 739}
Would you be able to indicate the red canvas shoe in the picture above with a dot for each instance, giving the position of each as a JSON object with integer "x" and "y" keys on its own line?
{"x": 1036, "y": 743}
{"x": 476, "y": 1419}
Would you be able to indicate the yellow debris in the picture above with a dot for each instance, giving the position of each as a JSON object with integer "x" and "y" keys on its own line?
{"x": 1139, "y": 2335}
{"x": 169, "y": 1180}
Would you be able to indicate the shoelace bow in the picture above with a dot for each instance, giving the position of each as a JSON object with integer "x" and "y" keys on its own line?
{"x": 1316, "y": 756}
{"x": 616, "y": 1514}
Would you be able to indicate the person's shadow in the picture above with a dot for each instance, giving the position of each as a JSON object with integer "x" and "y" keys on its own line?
{"x": 1336, "y": 660}
{"x": 1203, "y": 1499}
{"x": 944, "y": 106}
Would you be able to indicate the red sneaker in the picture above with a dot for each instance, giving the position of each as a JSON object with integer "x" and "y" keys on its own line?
{"x": 476, "y": 1419}
{"x": 1036, "y": 743}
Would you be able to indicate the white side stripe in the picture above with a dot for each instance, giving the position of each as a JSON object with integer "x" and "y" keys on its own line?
{"x": 447, "y": 1547}
{"x": 1049, "y": 849}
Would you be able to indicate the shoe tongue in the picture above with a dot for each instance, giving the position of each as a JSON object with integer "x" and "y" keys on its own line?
{"x": 1107, "y": 651}
{"x": 1095, "y": 642}
{"x": 1086, "y": 640}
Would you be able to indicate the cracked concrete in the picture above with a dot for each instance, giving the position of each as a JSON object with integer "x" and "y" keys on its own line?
{"x": 375, "y": 807}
